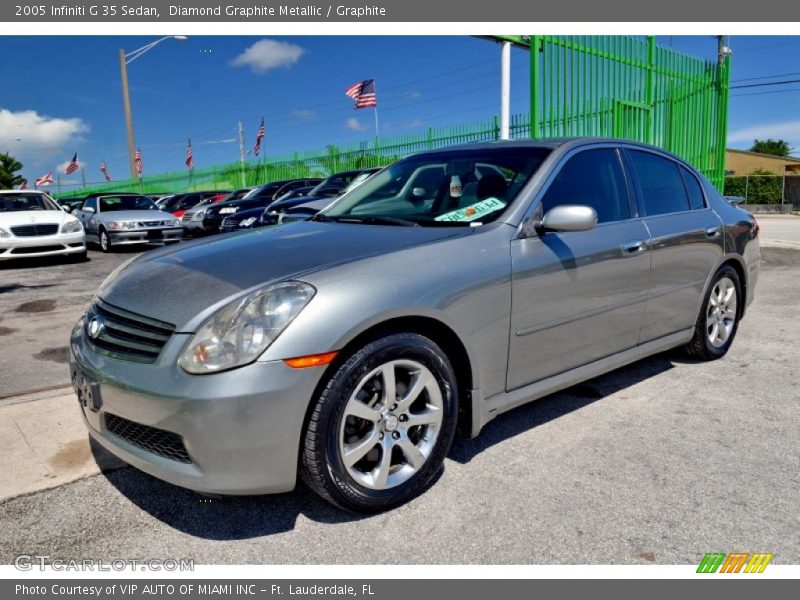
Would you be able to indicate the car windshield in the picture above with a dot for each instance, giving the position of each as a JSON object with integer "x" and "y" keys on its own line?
{"x": 358, "y": 181}
{"x": 23, "y": 201}
{"x": 451, "y": 188}
{"x": 335, "y": 182}
{"x": 114, "y": 203}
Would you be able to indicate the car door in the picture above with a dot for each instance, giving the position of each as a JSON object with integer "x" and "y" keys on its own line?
{"x": 579, "y": 296}
{"x": 87, "y": 215}
{"x": 687, "y": 240}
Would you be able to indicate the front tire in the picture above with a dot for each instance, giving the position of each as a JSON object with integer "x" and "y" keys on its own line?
{"x": 718, "y": 321}
{"x": 382, "y": 425}
{"x": 105, "y": 241}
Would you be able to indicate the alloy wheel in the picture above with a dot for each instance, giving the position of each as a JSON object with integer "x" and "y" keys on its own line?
{"x": 721, "y": 312}
{"x": 390, "y": 424}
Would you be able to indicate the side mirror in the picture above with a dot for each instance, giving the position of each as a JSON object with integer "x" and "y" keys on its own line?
{"x": 88, "y": 209}
{"x": 64, "y": 207}
{"x": 569, "y": 217}
{"x": 418, "y": 192}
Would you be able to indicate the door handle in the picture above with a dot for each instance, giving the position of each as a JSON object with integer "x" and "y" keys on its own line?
{"x": 633, "y": 248}
{"x": 713, "y": 232}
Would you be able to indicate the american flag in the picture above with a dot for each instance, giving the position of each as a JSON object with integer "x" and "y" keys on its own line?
{"x": 23, "y": 185}
{"x": 189, "y": 157}
{"x": 104, "y": 170}
{"x": 45, "y": 179}
{"x": 73, "y": 165}
{"x": 259, "y": 137}
{"x": 363, "y": 93}
{"x": 137, "y": 159}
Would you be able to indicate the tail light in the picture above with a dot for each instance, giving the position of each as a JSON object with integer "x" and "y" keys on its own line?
{"x": 756, "y": 227}
{"x": 178, "y": 213}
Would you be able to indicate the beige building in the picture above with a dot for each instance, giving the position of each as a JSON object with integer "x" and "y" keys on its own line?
{"x": 742, "y": 162}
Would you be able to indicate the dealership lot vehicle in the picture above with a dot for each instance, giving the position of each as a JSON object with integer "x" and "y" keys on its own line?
{"x": 33, "y": 225}
{"x": 546, "y": 264}
{"x": 122, "y": 219}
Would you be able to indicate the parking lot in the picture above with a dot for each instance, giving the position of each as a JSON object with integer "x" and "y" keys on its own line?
{"x": 658, "y": 462}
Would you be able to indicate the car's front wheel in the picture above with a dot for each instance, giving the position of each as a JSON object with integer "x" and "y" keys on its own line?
{"x": 381, "y": 427}
{"x": 718, "y": 320}
{"x": 105, "y": 241}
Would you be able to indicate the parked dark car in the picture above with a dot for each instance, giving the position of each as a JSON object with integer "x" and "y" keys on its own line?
{"x": 180, "y": 203}
{"x": 260, "y": 197}
{"x": 69, "y": 204}
{"x": 303, "y": 191}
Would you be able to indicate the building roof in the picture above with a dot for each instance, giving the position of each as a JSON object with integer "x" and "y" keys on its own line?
{"x": 763, "y": 155}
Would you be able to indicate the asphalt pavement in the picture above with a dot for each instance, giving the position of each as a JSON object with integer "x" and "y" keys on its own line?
{"x": 658, "y": 462}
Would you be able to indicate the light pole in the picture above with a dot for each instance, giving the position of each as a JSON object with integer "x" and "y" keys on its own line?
{"x": 124, "y": 60}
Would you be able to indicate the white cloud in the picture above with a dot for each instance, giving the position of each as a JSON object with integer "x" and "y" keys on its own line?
{"x": 785, "y": 130}
{"x": 268, "y": 54}
{"x": 354, "y": 124}
{"x": 36, "y": 139}
{"x": 304, "y": 114}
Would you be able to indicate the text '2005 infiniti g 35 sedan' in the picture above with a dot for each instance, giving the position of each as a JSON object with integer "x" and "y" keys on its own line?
{"x": 452, "y": 286}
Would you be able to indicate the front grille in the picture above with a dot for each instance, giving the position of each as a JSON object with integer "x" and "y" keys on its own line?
{"x": 151, "y": 223}
{"x": 125, "y": 334}
{"x": 35, "y": 230}
{"x": 36, "y": 249}
{"x": 187, "y": 216}
{"x": 152, "y": 439}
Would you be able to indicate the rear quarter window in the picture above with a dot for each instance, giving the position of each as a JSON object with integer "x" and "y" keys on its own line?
{"x": 693, "y": 188}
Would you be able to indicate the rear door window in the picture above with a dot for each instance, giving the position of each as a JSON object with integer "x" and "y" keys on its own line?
{"x": 660, "y": 182}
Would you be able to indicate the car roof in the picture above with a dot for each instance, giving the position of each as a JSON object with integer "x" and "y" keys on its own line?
{"x": 24, "y": 192}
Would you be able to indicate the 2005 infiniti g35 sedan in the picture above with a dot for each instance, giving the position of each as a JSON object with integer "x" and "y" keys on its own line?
{"x": 452, "y": 286}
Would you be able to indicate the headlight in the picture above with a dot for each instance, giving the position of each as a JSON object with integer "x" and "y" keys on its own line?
{"x": 247, "y": 222}
{"x": 198, "y": 216}
{"x": 4, "y": 233}
{"x": 228, "y": 210}
{"x": 72, "y": 227}
{"x": 173, "y": 222}
{"x": 237, "y": 334}
{"x": 117, "y": 225}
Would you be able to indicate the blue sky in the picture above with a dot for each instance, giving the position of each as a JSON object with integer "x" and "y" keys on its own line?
{"x": 63, "y": 93}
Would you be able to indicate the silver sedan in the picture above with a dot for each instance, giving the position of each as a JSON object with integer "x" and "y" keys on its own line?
{"x": 452, "y": 286}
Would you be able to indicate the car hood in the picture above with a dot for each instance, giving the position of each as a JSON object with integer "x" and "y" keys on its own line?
{"x": 136, "y": 215}
{"x": 181, "y": 284}
{"x": 31, "y": 217}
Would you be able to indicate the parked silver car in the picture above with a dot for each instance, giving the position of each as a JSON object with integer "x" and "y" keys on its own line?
{"x": 449, "y": 288}
{"x": 118, "y": 219}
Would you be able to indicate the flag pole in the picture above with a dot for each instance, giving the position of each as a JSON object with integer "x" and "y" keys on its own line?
{"x": 375, "y": 109}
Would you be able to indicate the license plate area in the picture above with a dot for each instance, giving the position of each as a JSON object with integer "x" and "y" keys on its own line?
{"x": 155, "y": 234}
{"x": 87, "y": 391}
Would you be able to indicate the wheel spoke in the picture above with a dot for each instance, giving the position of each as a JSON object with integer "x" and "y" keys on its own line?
{"x": 714, "y": 332}
{"x": 355, "y": 452}
{"x": 389, "y": 384}
{"x": 356, "y": 408}
{"x": 420, "y": 381}
{"x": 432, "y": 416}
{"x": 723, "y": 332}
{"x": 413, "y": 455}
{"x": 728, "y": 294}
{"x": 380, "y": 475}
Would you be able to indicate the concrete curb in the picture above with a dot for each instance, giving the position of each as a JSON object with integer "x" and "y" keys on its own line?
{"x": 44, "y": 444}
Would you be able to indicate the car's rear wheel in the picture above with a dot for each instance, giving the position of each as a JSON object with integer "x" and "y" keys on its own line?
{"x": 381, "y": 427}
{"x": 105, "y": 241}
{"x": 718, "y": 320}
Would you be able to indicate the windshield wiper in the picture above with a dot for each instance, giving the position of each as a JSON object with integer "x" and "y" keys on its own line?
{"x": 373, "y": 220}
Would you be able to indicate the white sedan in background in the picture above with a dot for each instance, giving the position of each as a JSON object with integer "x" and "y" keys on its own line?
{"x": 32, "y": 224}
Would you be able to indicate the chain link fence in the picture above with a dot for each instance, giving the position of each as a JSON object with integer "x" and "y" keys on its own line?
{"x": 765, "y": 188}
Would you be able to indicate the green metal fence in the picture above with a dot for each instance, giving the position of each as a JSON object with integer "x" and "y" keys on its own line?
{"x": 631, "y": 88}
{"x": 610, "y": 86}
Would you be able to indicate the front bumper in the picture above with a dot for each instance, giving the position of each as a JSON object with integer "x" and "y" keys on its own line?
{"x": 49, "y": 245}
{"x": 241, "y": 429}
{"x": 145, "y": 236}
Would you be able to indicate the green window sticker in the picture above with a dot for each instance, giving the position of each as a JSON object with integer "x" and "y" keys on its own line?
{"x": 473, "y": 212}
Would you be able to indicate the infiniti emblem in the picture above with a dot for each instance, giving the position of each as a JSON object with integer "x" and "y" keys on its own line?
{"x": 95, "y": 327}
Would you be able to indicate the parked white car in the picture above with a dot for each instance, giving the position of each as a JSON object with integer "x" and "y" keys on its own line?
{"x": 32, "y": 224}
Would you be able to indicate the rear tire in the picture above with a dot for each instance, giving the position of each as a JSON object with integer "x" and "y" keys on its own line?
{"x": 718, "y": 321}
{"x": 382, "y": 425}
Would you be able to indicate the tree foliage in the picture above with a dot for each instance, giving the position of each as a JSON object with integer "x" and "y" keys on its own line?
{"x": 9, "y": 168}
{"x": 770, "y": 146}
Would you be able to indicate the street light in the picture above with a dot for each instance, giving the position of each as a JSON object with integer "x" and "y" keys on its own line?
{"x": 124, "y": 60}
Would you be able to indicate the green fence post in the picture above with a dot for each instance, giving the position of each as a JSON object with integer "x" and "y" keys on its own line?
{"x": 535, "y": 46}
{"x": 650, "y": 88}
